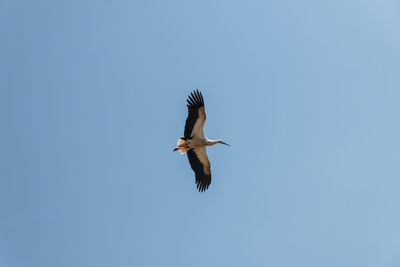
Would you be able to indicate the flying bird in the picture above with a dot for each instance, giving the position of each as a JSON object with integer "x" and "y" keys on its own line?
{"x": 194, "y": 143}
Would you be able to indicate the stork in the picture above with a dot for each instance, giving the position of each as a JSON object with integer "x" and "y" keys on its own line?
{"x": 194, "y": 143}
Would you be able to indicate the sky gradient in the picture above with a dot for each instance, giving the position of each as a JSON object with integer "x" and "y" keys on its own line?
{"x": 92, "y": 102}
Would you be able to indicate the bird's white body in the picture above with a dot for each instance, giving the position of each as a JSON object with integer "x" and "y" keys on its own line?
{"x": 195, "y": 142}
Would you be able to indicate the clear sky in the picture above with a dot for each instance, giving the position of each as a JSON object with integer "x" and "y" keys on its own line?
{"x": 92, "y": 102}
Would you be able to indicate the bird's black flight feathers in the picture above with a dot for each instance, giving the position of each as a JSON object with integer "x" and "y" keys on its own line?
{"x": 203, "y": 180}
{"x": 195, "y": 101}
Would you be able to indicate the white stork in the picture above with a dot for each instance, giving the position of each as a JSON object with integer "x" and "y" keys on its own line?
{"x": 194, "y": 142}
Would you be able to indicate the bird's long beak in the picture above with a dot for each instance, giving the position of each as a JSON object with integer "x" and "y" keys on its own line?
{"x": 225, "y": 143}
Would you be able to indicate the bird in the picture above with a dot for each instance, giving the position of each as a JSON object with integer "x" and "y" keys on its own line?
{"x": 194, "y": 143}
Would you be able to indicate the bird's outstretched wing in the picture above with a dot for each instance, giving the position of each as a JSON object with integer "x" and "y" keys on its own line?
{"x": 196, "y": 116}
{"x": 201, "y": 166}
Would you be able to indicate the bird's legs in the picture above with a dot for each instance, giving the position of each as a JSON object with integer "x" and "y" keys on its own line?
{"x": 181, "y": 146}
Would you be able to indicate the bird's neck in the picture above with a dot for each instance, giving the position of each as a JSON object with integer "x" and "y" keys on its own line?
{"x": 211, "y": 142}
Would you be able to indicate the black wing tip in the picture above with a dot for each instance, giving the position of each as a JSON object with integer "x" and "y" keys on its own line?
{"x": 195, "y": 99}
{"x": 202, "y": 183}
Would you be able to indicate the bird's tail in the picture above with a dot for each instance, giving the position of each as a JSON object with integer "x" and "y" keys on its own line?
{"x": 183, "y": 150}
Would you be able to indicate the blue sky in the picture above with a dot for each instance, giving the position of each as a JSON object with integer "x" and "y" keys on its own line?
{"x": 92, "y": 102}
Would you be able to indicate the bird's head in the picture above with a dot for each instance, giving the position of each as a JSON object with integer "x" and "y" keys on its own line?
{"x": 222, "y": 142}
